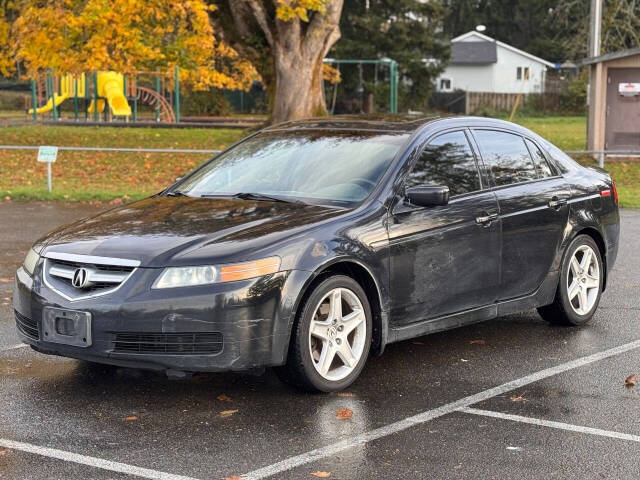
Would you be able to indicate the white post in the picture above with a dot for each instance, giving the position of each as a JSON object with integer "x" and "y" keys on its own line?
{"x": 49, "y": 176}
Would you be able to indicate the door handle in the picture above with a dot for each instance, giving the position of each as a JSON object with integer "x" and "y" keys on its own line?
{"x": 486, "y": 220}
{"x": 556, "y": 203}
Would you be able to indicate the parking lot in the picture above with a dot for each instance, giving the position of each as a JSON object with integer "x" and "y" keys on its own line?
{"x": 510, "y": 398}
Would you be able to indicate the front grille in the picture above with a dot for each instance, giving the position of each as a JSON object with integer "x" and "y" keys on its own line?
{"x": 101, "y": 278}
{"x": 28, "y": 327}
{"x": 169, "y": 343}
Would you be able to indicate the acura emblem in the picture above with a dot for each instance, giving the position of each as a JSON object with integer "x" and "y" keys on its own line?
{"x": 80, "y": 278}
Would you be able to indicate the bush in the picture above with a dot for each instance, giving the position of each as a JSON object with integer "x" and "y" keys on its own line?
{"x": 210, "y": 103}
{"x": 10, "y": 100}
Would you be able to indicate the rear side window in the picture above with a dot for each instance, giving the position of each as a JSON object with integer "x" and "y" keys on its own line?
{"x": 448, "y": 161}
{"x": 506, "y": 156}
{"x": 544, "y": 170}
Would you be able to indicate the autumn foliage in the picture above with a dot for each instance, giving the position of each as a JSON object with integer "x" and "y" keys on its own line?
{"x": 71, "y": 36}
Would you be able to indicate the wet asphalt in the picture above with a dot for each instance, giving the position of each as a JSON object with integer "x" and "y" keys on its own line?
{"x": 214, "y": 426}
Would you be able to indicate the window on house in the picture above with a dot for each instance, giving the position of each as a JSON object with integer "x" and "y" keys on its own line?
{"x": 526, "y": 73}
{"x": 519, "y": 73}
{"x": 445, "y": 84}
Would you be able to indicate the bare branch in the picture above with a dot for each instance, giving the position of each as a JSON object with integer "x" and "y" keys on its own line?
{"x": 323, "y": 26}
{"x": 260, "y": 15}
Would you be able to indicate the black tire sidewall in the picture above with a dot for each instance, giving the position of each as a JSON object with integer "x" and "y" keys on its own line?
{"x": 312, "y": 376}
{"x": 573, "y": 317}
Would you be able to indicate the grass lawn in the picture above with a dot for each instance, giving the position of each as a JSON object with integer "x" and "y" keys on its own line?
{"x": 104, "y": 176}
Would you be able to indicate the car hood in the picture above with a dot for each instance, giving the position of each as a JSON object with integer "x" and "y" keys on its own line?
{"x": 162, "y": 231}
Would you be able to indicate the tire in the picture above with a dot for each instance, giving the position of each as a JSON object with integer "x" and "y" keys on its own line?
{"x": 571, "y": 306}
{"x": 305, "y": 362}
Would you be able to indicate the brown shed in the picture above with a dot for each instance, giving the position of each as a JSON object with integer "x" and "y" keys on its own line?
{"x": 614, "y": 101}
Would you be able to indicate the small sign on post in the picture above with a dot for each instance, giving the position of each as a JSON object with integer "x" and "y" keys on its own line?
{"x": 48, "y": 155}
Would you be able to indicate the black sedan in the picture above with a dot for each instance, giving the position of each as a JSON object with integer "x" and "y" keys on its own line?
{"x": 309, "y": 245}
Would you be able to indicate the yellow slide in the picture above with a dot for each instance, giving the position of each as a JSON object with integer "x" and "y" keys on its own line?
{"x": 111, "y": 87}
{"x": 47, "y": 107}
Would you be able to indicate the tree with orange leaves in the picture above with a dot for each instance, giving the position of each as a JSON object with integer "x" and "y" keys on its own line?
{"x": 72, "y": 36}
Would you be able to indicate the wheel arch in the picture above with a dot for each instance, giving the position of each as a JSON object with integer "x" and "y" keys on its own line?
{"x": 362, "y": 274}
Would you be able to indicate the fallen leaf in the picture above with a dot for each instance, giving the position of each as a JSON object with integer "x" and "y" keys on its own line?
{"x": 477, "y": 342}
{"x": 2, "y": 452}
{"x": 131, "y": 418}
{"x": 233, "y": 477}
{"x": 344, "y": 413}
{"x": 223, "y": 398}
{"x": 6, "y": 280}
{"x": 418, "y": 343}
{"x": 346, "y": 394}
{"x": 631, "y": 380}
{"x": 227, "y": 413}
{"x": 321, "y": 474}
{"x": 519, "y": 398}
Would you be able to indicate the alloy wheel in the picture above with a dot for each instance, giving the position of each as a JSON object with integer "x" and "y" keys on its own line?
{"x": 337, "y": 334}
{"x": 583, "y": 280}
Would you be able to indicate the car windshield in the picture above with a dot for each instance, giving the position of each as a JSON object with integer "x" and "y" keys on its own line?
{"x": 338, "y": 168}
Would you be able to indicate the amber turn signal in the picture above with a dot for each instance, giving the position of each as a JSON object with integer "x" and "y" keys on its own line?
{"x": 243, "y": 271}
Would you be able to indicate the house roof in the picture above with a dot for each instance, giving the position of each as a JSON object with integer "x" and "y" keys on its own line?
{"x": 473, "y": 53}
{"x": 486, "y": 39}
{"x": 612, "y": 56}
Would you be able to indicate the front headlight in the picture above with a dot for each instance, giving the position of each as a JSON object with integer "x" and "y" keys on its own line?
{"x": 208, "y": 274}
{"x": 31, "y": 261}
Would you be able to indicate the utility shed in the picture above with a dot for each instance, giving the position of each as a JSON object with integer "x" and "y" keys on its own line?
{"x": 614, "y": 101}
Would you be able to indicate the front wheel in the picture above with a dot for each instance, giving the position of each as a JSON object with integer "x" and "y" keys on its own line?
{"x": 331, "y": 337}
{"x": 580, "y": 286}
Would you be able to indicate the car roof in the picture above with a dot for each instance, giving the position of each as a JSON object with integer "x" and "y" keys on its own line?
{"x": 375, "y": 122}
{"x": 391, "y": 123}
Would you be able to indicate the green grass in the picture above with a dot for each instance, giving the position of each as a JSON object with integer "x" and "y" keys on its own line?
{"x": 102, "y": 176}
{"x": 567, "y": 133}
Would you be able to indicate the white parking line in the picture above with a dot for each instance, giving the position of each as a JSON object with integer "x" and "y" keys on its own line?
{"x": 549, "y": 423}
{"x": 91, "y": 461}
{"x": 329, "y": 450}
{"x": 13, "y": 347}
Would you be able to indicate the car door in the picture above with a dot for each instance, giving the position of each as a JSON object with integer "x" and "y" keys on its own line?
{"x": 444, "y": 259}
{"x": 533, "y": 208}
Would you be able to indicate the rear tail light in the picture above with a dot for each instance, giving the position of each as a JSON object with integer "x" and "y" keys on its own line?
{"x": 610, "y": 191}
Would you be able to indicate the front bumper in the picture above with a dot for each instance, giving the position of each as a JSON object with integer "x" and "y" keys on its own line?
{"x": 251, "y": 319}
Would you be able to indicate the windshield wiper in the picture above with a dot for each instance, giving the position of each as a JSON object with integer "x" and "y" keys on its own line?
{"x": 255, "y": 196}
{"x": 176, "y": 193}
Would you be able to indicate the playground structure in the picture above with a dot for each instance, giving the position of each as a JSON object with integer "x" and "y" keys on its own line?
{"x": 110, "y": 95}
{"x": 392, "y": 74}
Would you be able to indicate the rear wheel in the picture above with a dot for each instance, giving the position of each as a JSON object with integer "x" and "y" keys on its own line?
{"x": 580, "y": 286}
{"x": 331, "y": 337}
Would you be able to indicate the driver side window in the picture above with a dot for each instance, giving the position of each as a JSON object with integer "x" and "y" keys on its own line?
{"x": 449, "y": 161}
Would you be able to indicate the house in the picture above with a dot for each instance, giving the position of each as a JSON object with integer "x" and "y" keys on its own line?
{"x": 614, "y": 101}
{"x": 481, "y": 64}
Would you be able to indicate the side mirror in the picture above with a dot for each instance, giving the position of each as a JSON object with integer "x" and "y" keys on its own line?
{"x": 428, "y": 195}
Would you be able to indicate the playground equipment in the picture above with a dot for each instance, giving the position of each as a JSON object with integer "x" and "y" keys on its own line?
{"x": 392, "y": 65}
{"x": 111, "y": 87}
{"x": 122, "y": 94}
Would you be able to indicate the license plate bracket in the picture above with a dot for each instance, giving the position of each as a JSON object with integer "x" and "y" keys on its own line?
{"x": 67, "y": 327}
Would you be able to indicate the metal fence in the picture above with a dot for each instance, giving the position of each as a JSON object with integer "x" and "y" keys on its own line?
{"x": 602, "y": 154}
{"x": 111, "y": 149}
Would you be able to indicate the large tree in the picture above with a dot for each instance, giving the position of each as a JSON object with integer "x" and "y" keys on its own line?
{"x": 73, "y": 36}
{"x": 407, "y": 31}
{"x": 286, "y": 41}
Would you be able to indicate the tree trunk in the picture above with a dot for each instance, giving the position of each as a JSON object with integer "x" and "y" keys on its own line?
{"x": 299, "y": 91}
